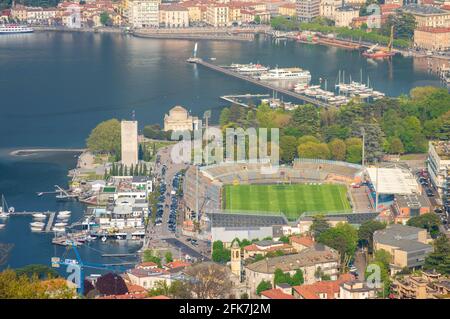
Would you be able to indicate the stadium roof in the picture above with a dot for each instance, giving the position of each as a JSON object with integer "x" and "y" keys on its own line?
{"x": 245, "y": 219}
{"x": 393, "y": 180}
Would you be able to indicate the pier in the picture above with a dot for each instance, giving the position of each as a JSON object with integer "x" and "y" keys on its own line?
{"x": 51, "y": 219}
{"x": 119, "y": 255}
{"x": 259, "y": 82}
{"x": 233, "y": 98}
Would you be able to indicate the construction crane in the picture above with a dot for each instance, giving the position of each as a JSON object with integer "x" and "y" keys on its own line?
{"x": 76, "y": 267}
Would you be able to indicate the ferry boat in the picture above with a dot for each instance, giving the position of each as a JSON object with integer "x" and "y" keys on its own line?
{"x": 286, "y": 74}
{"x": 251, "y": 69}
{"x": 14, "y": 28}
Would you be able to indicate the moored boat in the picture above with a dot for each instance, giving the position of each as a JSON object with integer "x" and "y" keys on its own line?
{"x": 15, "y": 28}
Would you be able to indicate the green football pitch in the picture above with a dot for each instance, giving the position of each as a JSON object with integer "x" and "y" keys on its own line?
{"x": 292, "y": 200}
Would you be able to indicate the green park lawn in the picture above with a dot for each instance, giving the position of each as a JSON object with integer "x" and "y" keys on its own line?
{"x": 292, "y": 200}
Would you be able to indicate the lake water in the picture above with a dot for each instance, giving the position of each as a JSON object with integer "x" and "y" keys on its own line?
{"x": 55, "y": 87}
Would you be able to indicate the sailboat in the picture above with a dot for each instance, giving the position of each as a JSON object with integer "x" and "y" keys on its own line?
{"x": 193, "y": 58}
{"x": 4, "y": 210}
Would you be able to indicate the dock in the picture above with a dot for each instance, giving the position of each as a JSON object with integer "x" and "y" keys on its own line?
{"x": 259, "y": 83}
{"x": 51, "y": 219}
{"x": 233, "y": 98}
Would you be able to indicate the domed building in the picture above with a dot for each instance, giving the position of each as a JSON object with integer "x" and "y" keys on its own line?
{"x": 179, "y": 119}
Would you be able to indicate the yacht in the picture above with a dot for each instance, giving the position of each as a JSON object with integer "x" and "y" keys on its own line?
{"x": 4, "y": 210}
{"x": 39, "y": 216}
{"x": 64, "y": 214}
{"x": 37, "y": 225}
{"x": 14, "y": 28}
{"x": 286, "y": 74}
{"x": 2, "y": 226}
{"x": 60, "y": 224}
{"x": 251, "y": 69}
{"x": 58, "y": 229}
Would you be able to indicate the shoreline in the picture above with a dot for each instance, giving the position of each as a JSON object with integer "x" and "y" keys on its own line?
{"x": 31, "y": 151}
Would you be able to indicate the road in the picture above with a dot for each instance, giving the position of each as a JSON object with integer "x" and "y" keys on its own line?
{"x": 159, "y": 237}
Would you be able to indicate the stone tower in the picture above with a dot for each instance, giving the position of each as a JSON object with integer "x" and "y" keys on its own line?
{"x": 236, "y": 260}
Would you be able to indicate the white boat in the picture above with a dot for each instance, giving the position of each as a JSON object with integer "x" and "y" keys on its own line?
{"x": 251, "y": 69}
{"x": 286, "y": 74}
{"x": 64, "y": 213}
{"x": 2, "y": 226}
{"x": 39, "y": 216}
{"x": 5, "y": 211}
{"x": 37, "y": 225}
{"x": 60, "y": 224}
{"x": 58, "y": 229}
{"x": 15, "y": 28}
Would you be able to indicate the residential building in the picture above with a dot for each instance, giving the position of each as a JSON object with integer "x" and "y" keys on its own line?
{"x": 434, "y": 39}
{"x": 304, "y": 223}
{"x": 129, "y": 143}
{"x": 143, "y": 13}
{"x": 344, "y": 15}
{"x": 179, "y": 119}
{"x": 275, "y": 294}
{"x": 329, "y": 289}
{"x": 300, "y": 243}
{"x": 408, "y": 246}
{"x": 428, "y": 16}
{"x": 438, "y": 162}
{"x": 173, "y": 16}
{"x": 217, "y": 15}
{"x": 409, "y": 205}
{"x": 263, "y": 247}
{"x": 287, "y": 10}
{"x": 147, "y": 278}
{"x": 356, "y": 290}
{"x": 427, "y": 285}
{"x": 308, "y": 261}
{"x": 307, "y": 9}
{"x": 328, "y": 8}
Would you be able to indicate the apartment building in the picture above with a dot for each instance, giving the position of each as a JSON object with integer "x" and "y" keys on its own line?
{"x": 435, "y": 39}
{"x": 217, "y": 15}
{"x": 428, "y": 16}
{"x": 143, "y": 13}
{"x": 173, "y": 16}
{"x": 438, "y": 162}
{"x": 307, "y": 9}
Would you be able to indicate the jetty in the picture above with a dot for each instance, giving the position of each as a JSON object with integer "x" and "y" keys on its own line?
{"x": 234, "y": 98}
{"x": 51, "y": 219}
{"x": 258, "y": 82}
{"x": 119, "y": 255}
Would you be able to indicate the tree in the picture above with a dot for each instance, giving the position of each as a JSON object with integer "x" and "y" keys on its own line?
{"x": 209, "y": 281}
{"x": 111, "y": 284}
{"x": 338, "y": 149}
{"x": 318, "y": 226}
{"x": 366, "y": 230}
{"x": 105, "y": 19}
{"x": 155, "y": 132}
{"x": 39, "y": 271}
{"x": 306, "y": 119}
{"x": 180, "y": 290}
{"x": 288, "y": 148}
{"x": 149, "y": 256}
{"x": 439, "y": 259}
{"x": 343, "y": 238}
{"x": 428, "y": 221}
{"x": 219, "y": 253}
{"x": 262, "y": 286}
{"x": 224, "y": 116}
{"x": 396, "y": 146}
{"x": 354, "y": 154}
{"x": 105, "y": 137}
{"x": 314, "y": 150}
{"x": 159, "y": 288}
{"x": 168, "y": 257}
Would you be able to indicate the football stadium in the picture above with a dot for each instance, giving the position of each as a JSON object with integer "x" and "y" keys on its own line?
{"x": 308, "y": 187}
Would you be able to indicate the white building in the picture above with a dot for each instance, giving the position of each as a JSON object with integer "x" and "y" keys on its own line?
{"x": 345, "y": 15}
{"x": 144, "y": 13}
{"x": 328, "y": 8}
{"x": 217, "y": 15}
{"x": 356, "y": 290}
{"x": 308, "y": 9}
{"x": 129, "y": 143}
{"x": 437, "y": 163}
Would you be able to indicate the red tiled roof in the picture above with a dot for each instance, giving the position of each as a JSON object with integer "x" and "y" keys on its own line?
{"x": 330, "y": 288}
{"x": 133, "y": 289}
{"x": 177, "y": 264}
{"x": 306, "y": 241}
{"x": 146, "y": 264}
{"x": 126, "y": 296}
{"x": 276, "y": 294}
{"x": 159, "y": 297}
